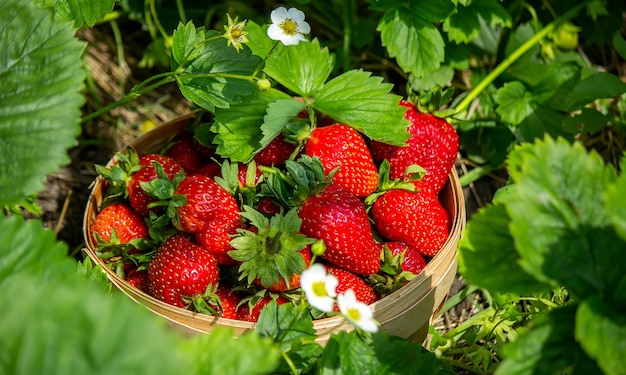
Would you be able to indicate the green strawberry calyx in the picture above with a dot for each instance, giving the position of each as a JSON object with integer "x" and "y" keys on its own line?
{"x": 272, "y": 251}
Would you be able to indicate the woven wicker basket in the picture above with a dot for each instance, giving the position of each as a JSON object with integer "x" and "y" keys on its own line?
{"x": 406, "y": 313}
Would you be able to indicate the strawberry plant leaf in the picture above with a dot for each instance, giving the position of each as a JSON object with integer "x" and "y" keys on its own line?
{"x": 88, "y": 341}
{"x": 27, "y": 248}
{"x": 464, "y": 25}
{"x": 561, "y": 231}
{"x": 277, "y": 115}
{"x": 363, "y": 102}
{"x": 549, "y": 345}
{"x": 415, "y": 43}
{"x": 487, "y": 251}
{"x": 238, "y": 129}
{"x": 81, "y": 12}
{"x": 597, "y": 86}
{"x": 601, "y": 331}
{"x": 302, "y": 69}
{"x": 42, "y": 78}
{"x": 351, "y": 353}
{"x": 291, "y": 328}
{"x": 221, "y": 353}
{"x": 213, "y": 75}
{"x": 615, "y": 204}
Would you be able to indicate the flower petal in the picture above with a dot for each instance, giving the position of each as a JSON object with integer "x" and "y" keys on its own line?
{"x": 304, "y": 27}
{"x": 274, "y": 32}
{"x": 295, "y": 15}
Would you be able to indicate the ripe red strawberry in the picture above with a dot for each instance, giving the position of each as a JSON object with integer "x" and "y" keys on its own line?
{"x": 268, "y": 207}
{"x": 138, "y": 279}
{"x": 228, "y": 302}
{"x": 348, "y": 280}
{"x": 415, "y": 218}
{"x": 433, "y": 145}
{"x": 340, "y": 219}
{"x": 250, "y": 312}
{"x": 412, "y": 261}
{"x": 211, "y": 169}
{"x": 138, "y": 197}
{"x": 185, "y": 152}
{"x": 121, "y": 218}
{"x": 181, "y": 271}
{"x": 340, "y": 146}
{"x": 206, "y": 202}
{"x": 246, "y": 180}
{"x": 215, "y": 238}
{"x": 275, "y": 153}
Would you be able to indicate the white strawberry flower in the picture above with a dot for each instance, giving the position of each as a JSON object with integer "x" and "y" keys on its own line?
{"x": 319, "y": 287}
{"x": 357, "y": 313}
{"x": 288, "y": 26}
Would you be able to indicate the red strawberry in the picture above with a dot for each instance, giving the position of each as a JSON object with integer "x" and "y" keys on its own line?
{"x": 185, "y": 152}
{"x": 181, "y": 271}
{"x": 210, "y": 170}
{"x": 433, "y": 145}
{"x": 340, "y": 219}
{"x": 250, "y": 313}
{"x": 206, "y": 202}
{"x": 412, "y": 262}
{"x": 275, "y": 153}
{"x": 228, "y": 302}
{"x": 215, "y": 238}
{"x": 268, "y": 207}
{"x": 415, "y": 218}
{"x": 137, "y": 196}
{"x": 347, "y": 280}
{"x": 121, "y": 218}
{"x": 251, "y": 180}
{"x": 340, "y": 146}
{"x": 138, "y": 279}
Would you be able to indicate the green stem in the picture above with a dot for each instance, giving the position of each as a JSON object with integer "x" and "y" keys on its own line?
{"x": 134, "y": 93}
{"x": 521, "y": 50}
{"x": 157, "y": 22}
{"x": 269, "y": 53}
{"x": 347, "y": 11}
{"x": 119, "y": 46}
{"x": 181, "y": 11}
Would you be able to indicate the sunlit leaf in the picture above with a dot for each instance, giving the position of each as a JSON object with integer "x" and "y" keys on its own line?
{"x": 42, "y": 75}
{"x": 81, "y": 12}
{"x": 464, "y": 25}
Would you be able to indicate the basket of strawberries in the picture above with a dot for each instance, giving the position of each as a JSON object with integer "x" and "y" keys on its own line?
{"x": 204, "y": 241}
{"x": 287, "y": 187}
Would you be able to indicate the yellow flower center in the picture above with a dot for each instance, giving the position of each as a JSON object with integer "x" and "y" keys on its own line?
{"x": 289, "y": 27}
{"x": 235, "y": 33}
{"x": 353, "y": 314}
{"x": 319, "y": 289}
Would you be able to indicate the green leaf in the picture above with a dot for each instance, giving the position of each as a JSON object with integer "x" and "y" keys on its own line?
{"x": 487, "y": 252}
{"x": 464, "y": 25}
{"x": 221, "y": 353}
{"x": 432, "y": 11}
{"x": 415, "y": 43}
{"x": 302, "y": 69}
{"x": 212, "y": 74}
{"x": 27, "y": 248}
{"x": 514, "y": 102}
{"x": 548, "y": 347}
{"x": 587, "y": 120}
{"x": 619, "y": 44}
{"x": 238, "y": 128}
{"x": 350, "y": 353}
{"x": 615, "y": 204}
{"x": 184, "y": 41}
{"x": 278, "y": 114}
{"x": 42, "y": 76}
{"x": 557, "y": 220}
{"x": 81, "y": 12}
{"x": 363, "y": 102}
{"x": 597, "y": 86}
{"x": 291, "y": 328}
{"x": 75, "y": 328}
{"x": 601, "y": 331}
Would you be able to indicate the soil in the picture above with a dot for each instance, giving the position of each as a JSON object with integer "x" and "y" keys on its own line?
{"x": 66, "y": 193}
